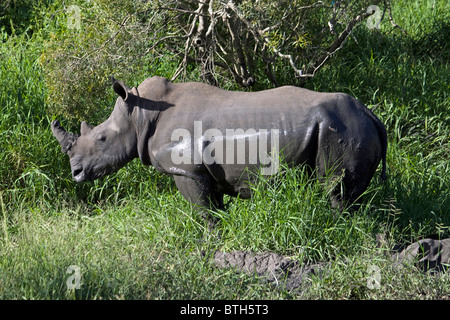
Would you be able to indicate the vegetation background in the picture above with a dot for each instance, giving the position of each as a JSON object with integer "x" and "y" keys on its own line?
{"x": 132, "y": 236}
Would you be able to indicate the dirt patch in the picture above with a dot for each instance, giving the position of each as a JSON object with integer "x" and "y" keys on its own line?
{"x": 286, "y": 273}
{"x": 272, "y": 267}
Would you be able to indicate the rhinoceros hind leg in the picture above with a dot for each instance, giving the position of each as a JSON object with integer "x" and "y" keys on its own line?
{"x": 200, "y": 192}
{"x": 347, "y": 194}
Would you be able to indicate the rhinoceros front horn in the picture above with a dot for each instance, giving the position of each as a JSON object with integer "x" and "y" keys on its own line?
{"x": 64, "y": 138}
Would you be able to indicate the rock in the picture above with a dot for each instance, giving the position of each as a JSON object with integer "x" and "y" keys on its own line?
{"x": 427, "y": 254}
{"x": 289, "y": 274}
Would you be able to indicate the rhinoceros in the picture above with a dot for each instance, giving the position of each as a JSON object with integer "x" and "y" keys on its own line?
{"x": 211, "y": 140}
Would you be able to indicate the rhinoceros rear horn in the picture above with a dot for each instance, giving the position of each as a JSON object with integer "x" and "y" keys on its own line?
{"x": 64, "y": 138}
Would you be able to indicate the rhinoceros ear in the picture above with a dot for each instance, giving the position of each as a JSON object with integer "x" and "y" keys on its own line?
{"x": 120, "y": 88}
{"x": 85, "y": 128}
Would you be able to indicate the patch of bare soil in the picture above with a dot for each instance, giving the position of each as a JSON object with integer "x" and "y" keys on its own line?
{"x": 272, "y": 267}
{"x": 289, "y": 274}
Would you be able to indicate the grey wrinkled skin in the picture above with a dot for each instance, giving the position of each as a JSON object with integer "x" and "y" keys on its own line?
{"x": 320, "y": 130}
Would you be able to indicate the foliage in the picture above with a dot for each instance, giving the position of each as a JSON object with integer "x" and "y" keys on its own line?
{"x": 246, "y": 43}
{"x": 249, "y": 40}
{"x": 110, "y": 40}
{"x": 20, "y": 16}
{"x": 133, "y": 235}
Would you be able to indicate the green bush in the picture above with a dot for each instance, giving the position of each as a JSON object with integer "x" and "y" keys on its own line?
{"x": 112, "y": 39}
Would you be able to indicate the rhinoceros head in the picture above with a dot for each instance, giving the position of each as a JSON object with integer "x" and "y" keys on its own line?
{"x": 103, "y": 149}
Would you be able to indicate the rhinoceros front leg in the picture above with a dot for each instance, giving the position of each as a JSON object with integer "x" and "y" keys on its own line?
{"x": 200, "y": 192}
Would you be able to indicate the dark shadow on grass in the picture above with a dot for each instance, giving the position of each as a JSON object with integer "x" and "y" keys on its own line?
{"x": 418, "y": 209}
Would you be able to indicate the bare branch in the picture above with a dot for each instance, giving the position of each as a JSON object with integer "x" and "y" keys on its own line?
{"x": 183, "y": 63}
{"x": 241, "y": 66}
{"x": 185, "y": 10}
{"x": 263, "y": 34}
{"x": 252, "y": 39}
{"x": 388, "y": 6}
{"x": 336, "y": 45}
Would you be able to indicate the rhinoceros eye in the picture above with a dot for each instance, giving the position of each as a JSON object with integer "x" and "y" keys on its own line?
{"x": 101, "y": 138}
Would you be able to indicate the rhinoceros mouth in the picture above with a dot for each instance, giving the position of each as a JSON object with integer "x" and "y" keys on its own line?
{"x": 79, "y": 175}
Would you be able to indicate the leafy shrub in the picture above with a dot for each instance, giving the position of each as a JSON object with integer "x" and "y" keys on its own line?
{"x": 112, "y": 40}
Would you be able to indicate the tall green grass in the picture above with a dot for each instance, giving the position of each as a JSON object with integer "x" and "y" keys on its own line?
{"x": 291, "y": 213}
{"x": 406, "y": 79}
{"x": 133, "y": 236}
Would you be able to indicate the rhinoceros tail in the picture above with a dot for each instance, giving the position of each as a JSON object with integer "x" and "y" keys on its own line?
{"x": 383, "y": 159}
{"x": 383, "y": 138}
